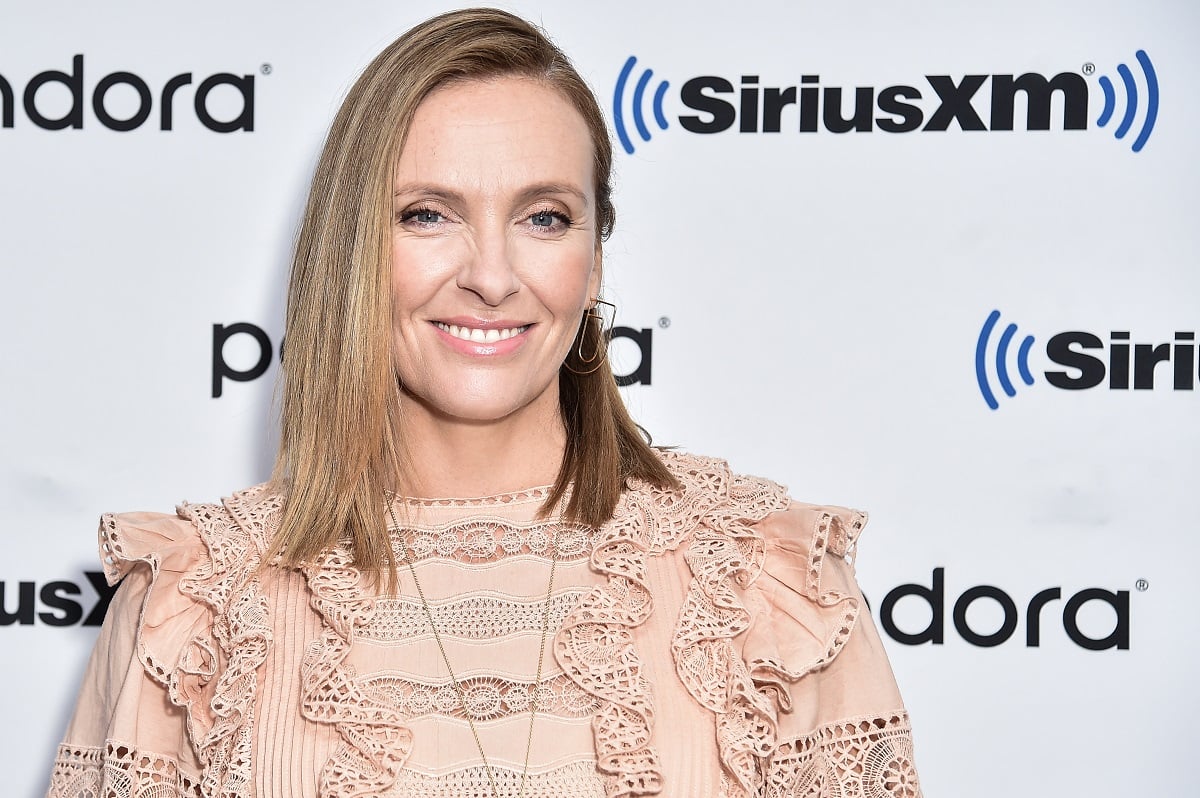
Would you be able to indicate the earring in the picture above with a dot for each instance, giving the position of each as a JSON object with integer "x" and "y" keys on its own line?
{"x": 593, "y": 314}
{"x": 597, "y": 356}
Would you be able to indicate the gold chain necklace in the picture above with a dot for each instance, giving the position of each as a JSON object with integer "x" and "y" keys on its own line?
{"x": 462, "y": 700}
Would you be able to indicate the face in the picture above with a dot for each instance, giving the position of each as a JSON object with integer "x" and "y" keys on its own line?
{"x": 495, "y": 254}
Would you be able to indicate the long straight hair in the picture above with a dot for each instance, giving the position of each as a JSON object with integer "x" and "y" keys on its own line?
{"x": 340, "y": 442}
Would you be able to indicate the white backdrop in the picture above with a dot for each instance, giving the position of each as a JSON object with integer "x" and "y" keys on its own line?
{"x": 813, "y": 304}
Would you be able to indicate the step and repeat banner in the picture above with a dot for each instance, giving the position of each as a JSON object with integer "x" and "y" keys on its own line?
{"x": 935, "y": 260}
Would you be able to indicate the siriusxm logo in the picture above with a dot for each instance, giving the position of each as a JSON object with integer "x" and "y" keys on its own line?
{"x": 1131, "y": 101}
{"x": 56, "y": 603}
{"x": 714, "y": 104}
{"x": 1089, "y": 361}
{"x": 639, "y": 98}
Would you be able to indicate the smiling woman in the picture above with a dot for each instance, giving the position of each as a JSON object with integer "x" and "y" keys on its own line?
{"x": 471, "y": 575}
{"x": 495, "y": 258}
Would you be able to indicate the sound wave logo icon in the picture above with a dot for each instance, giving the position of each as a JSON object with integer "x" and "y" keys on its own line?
{"x": 1131, "y": 101}
{"x": 638, "y": 103}
{"x": 1001, "y": 360}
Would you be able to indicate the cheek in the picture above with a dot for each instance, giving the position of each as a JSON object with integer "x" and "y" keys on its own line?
{"x": 419, "y": 269}
{"x": 564, "y": 279}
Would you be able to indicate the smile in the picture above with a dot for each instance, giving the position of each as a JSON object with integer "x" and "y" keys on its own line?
{"x": 478, "y": 336}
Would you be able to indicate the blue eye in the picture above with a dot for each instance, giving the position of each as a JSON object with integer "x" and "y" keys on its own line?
{"x": 423, "y": 216}
{"x": 544, "y": 219}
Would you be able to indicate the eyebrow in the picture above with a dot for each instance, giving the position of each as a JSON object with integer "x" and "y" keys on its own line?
{"x": 526, "y": 194}
{"x": 428, "y": 189}
{"x": 540, "y": 189}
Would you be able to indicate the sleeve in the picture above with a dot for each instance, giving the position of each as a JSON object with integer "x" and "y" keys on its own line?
{"x": 129, "y": 733}
{"x": 812, "y": 647}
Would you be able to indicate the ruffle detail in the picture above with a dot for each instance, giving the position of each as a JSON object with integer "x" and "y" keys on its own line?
{"x": 375, "y": 740}
{"x": 596, "y": 646}
{"x": 207, "y": 650}
{"x": 834, "y": 533}
{"x": 725, "y": 556}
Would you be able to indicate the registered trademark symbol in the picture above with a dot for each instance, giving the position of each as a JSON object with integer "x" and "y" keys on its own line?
{"x": 1142, "y": 585}
{"x": 1089, "y": 68}
{"x": 664, "y": 322}
{"x": 266, "y": 69}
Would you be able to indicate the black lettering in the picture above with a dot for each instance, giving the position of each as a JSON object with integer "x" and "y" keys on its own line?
{"x": 7, "y": 103}
{"x": 1119, "y": 601}
{"x": 723, "y": 113}
{"x": 144, "y": 101}
{"x": 24, "y": 612}
{"x": 105, "y": 593}
{"x": 244, "y": 85}
{"x": 860, "y": 121}
{"x": 1145, "y": 358}
{"x": 74, "y": 82}
{"x": 1033, "y": 617}
{"x": 221, "y": 370}
{"x": 810, "y": 101}
{"x": 890, "y": 103}
{"x": 749, "y": 110}
{"x": 1118, "y": 361}
{"x": 1185, "y": 361}
{"x": 774, "y": 101}
{"x": 54, "y": 595}
{"x": 955, "y": 102}
{"x": 935, "y": 596}
{"x": 1007, "y": 626}
{"x": 1038, "y": 92}
{"x": 643, "y": 339}
{"x": 1091, "y": 369}
{"x": 167, "y": 111}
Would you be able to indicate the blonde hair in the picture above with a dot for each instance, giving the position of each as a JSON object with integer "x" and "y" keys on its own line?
{"x": 340, "y": 442}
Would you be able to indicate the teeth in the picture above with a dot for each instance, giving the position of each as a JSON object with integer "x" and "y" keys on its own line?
{"x": 489, "y": 336}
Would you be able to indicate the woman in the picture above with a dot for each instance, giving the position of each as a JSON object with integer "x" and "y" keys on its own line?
{"x": 607, "y": 620}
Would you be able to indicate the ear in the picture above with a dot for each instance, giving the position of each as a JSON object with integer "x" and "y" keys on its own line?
{"x": 596, "y": 279}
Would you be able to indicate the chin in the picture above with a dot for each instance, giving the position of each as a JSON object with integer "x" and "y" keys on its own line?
{"x": 482, "y": 409}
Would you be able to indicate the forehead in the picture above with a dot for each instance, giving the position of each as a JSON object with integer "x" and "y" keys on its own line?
{"x": 497, "y": 129}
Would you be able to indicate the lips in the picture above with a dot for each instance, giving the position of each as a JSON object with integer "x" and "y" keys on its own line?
{"x": 489, "y": 335}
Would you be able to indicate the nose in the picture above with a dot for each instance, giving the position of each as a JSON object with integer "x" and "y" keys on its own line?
{"x": 488, "y": 271}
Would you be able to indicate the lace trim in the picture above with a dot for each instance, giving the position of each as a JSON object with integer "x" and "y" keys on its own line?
{"x": 713, "y": 515}
{"x": 368, "y": 717}
{"x": 220, "y": 714}
{"x": 577, "y": 780}
{"x": 375, "y": 742}
{"x": 119, "y": 771}
{"x": 861, "y": 757}
{"x": 495, "y": 500}
{"x": 490, "y": 539}
{"x": 726, "y": 552}
{"x": 595, "y": 646}
{"x": 475, "y": 618}
{"x": 487, "y": 697}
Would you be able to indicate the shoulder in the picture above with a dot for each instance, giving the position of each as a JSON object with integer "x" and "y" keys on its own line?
{"x": 712, "y": 495}
{"x": 770, "y": 627}
{"x": 219, "y": 533}
{"x": 172, "y": 678}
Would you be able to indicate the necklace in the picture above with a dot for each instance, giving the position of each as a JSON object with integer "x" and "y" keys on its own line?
{"x": 487, "y": 767}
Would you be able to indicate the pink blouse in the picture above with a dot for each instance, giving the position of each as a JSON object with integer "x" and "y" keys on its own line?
{"x": 705, "y": 643}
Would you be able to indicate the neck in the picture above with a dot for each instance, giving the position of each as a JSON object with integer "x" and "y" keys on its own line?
{"x": 456, "y": 458}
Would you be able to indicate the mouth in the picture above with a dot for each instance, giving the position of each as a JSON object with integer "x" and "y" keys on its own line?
{"x": 480, "y": 336}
